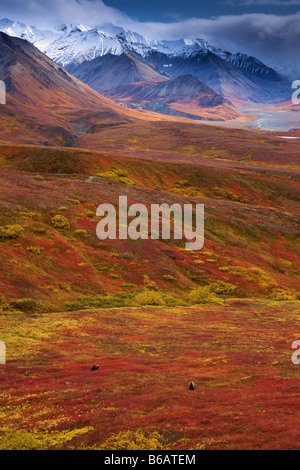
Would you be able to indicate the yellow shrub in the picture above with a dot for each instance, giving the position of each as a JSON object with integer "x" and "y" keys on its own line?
{"x": 168, "y": 277}
{"x": 27, "y": 305}
{"x": 254, "y": 274}
{"x": 136, "y": 440}
{"x": 11, "y": 232}
{"x": 30, "y": 215}
{"x": 148, "y": 283}
{"x": 80, "y": 232}
{"x": 149, "y": 297}
{"x": 222, "y": 288}
{"x": 203, "y": 295}
{"x": 279, "y": 294}
{"x": 224, "y": 269}
{"x": 60, "y": 222}
{"x": 37, "y": 250}
{"x": 117, "y": 174}
{"x": 24, "y": 440}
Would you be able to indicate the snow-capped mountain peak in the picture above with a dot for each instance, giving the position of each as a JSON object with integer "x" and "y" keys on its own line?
{"x": 82, "y": 44}
{"x": 78, "y": 43}
{"x": 39, "y": 37}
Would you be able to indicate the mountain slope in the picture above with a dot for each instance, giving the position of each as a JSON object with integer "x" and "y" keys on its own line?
{"x": 224, "y": 77}
{"x": 45, "y": 104}
{"x": 184, "y": 96}
{"x": 111, "y": 71}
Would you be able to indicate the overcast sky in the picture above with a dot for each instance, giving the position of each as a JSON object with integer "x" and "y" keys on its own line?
{"x": 267, "y": 29}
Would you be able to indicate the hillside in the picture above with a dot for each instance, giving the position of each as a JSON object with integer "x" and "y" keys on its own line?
{"x": 109, "y": 72}
{"x": 246, "y": 232}
{"x": 46, "y": 105}
{"x": 184, "y": 96}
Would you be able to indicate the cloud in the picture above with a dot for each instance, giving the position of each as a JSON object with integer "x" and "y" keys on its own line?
{"x": 273, "y": 39}
{"x": 43, "y": 12}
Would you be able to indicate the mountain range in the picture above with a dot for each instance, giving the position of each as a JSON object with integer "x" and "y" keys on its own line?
{"x": 157, "y": 75}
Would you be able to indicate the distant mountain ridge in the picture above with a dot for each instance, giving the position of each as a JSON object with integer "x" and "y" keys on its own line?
{"x": 236, "y": 76}
{"x": 117, "y": 63}
{"x": 184, "y": 96}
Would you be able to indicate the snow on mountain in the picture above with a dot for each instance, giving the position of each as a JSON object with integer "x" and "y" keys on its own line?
{"x": 77, "y": 46}
{"x": 30, "y": 33}
{"x": 78, "y": 43}
{"x": 189, "y": 48}
{"x": 181, "y": 47}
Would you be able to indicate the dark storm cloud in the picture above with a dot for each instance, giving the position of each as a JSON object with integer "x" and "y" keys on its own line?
{"x": 273, "y": 39}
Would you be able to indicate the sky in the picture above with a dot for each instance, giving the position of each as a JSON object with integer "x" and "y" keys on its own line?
{"x": 266, "y": 29}
{"x": 170, "y": 10}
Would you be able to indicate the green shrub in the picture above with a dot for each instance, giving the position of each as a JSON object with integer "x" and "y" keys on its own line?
{"x": 27, "y": 306}
{"x": 11, "y": 231}
{"x": 169, "y": 300}
{"x": 120, "y": 299}
{"x": 286, "y": 262}
{"x": 126, "y": 298}
{"x": 203, "y": 295}
{"x": 60, "y": 222}
{"x": 149, "y": 297}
